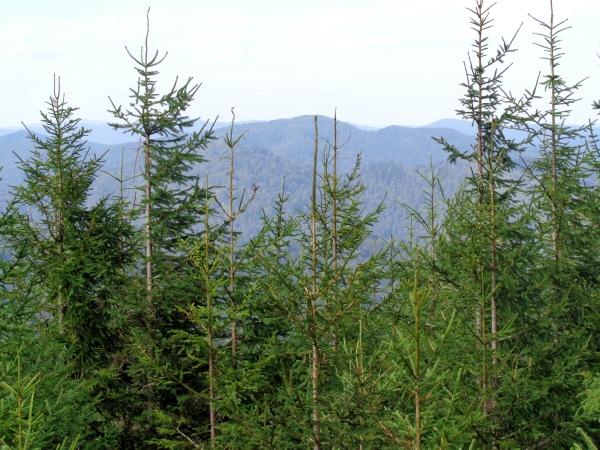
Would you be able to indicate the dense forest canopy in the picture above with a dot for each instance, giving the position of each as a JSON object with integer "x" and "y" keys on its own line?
{"x": 303, "y": 283}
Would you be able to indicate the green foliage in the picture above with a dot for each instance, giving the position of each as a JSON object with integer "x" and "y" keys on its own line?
{"x": 76, "y": 252}
{"x": 564, "y": 201}
{"x": 28, "y": 423}
{"x": 63, "y": 282}
{"x": 174, "y": 318}
{"x": 171, "y": 207}
{"x": 589, "y": 445}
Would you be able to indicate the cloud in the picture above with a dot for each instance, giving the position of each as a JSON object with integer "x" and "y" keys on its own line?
{"x": 48, "y": 55}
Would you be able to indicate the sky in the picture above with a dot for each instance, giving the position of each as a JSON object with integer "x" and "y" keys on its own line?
{"x": 378, "y": 62}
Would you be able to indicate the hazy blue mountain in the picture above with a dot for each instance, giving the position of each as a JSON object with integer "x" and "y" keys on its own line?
{"x": 278, "y": 150}
{"x": 364, "y": 127}
{"x": 462, "y": 126}
{"x": 9, "y": 130}
{"x": 102, "y": 133}
{"x": 294, "y": 138}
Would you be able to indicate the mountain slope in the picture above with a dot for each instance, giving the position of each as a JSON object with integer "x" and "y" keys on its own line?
{"x": 294, "y": 138}
{"x": 278, "y": 150}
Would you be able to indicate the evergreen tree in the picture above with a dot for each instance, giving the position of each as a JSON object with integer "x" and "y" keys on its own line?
{"x": 171, "y": 208}
{"x": 75, "y": 250}
{"x": 566, "y": 202}
{"x": 316, "y": 299}
{"x": 223, "y": 272}
{"x": 487, "y": 246}
{"x": 230, "y": 214}
{"x": 423, "y": 402}
{"x": 152, "y": 325}
{"x": 65, "y": 266}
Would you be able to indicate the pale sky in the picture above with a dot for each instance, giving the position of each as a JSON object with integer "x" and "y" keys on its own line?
{"x": 379, "y": 62}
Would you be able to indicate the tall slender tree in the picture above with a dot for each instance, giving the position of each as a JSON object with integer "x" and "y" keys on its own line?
{"x": 171, "y": 209}
{"x": 486, "y": 243}
{"x": 231, "y": 213}
{"x": 320, "y": 298}
{"x": 566, "y": 202}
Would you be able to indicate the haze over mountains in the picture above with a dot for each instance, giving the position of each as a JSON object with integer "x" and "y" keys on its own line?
{"x": 272, "y": 151}
{"x": 102, "y": 133}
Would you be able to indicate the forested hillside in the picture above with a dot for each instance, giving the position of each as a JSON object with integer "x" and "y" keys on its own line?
{"x": 303, "y": 283}
{"x": 391, "y": 160}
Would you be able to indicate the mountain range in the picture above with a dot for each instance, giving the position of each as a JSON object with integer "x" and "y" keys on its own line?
{"x": 273, "y": 151}
{"x": 102, "y": 133}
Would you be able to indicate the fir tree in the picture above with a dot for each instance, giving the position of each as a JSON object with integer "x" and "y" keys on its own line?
{"x": 318, "y": 295}
{"x": 171, "y": 208}
{"x": 566, "y": 202}
{"x": 487, "y": 245}
{"x": 66, "y": 258}
{"x": 75, "y": 249}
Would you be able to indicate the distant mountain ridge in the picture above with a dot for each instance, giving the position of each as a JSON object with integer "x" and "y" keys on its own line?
{"x": 462, "y": 126}
{"x": 102, "y": 133}
{"x": 294, "y": 138}
{"x": 279, "y": 150}
{"x": 273, "y": 151}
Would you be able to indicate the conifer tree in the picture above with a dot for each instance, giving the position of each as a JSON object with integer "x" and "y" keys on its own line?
{"x": 156, "y": 326}
{"x": 318, "y": 299}
{"x": 210, "y": 259}
{"x": 75, "y": 249}
{"x": 65, "y": 272}
{"x": 422, "y": 402}
{"x": 172, "y": 207}
{"x": 486, "y": 247}
{"x": 566, "y": 202}
{"x": 224, "y": 274}
{"x": 230, "y": 215}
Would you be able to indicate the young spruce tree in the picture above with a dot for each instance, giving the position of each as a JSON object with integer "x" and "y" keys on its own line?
{"x": 171, "y": 209}
{"x": 75, "y": 253}
{"x": 487, "y": 247}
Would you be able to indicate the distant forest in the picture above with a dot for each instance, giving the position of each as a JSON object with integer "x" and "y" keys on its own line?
{"x": 277, "y": 153}
{"x": 303, "y": 283}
